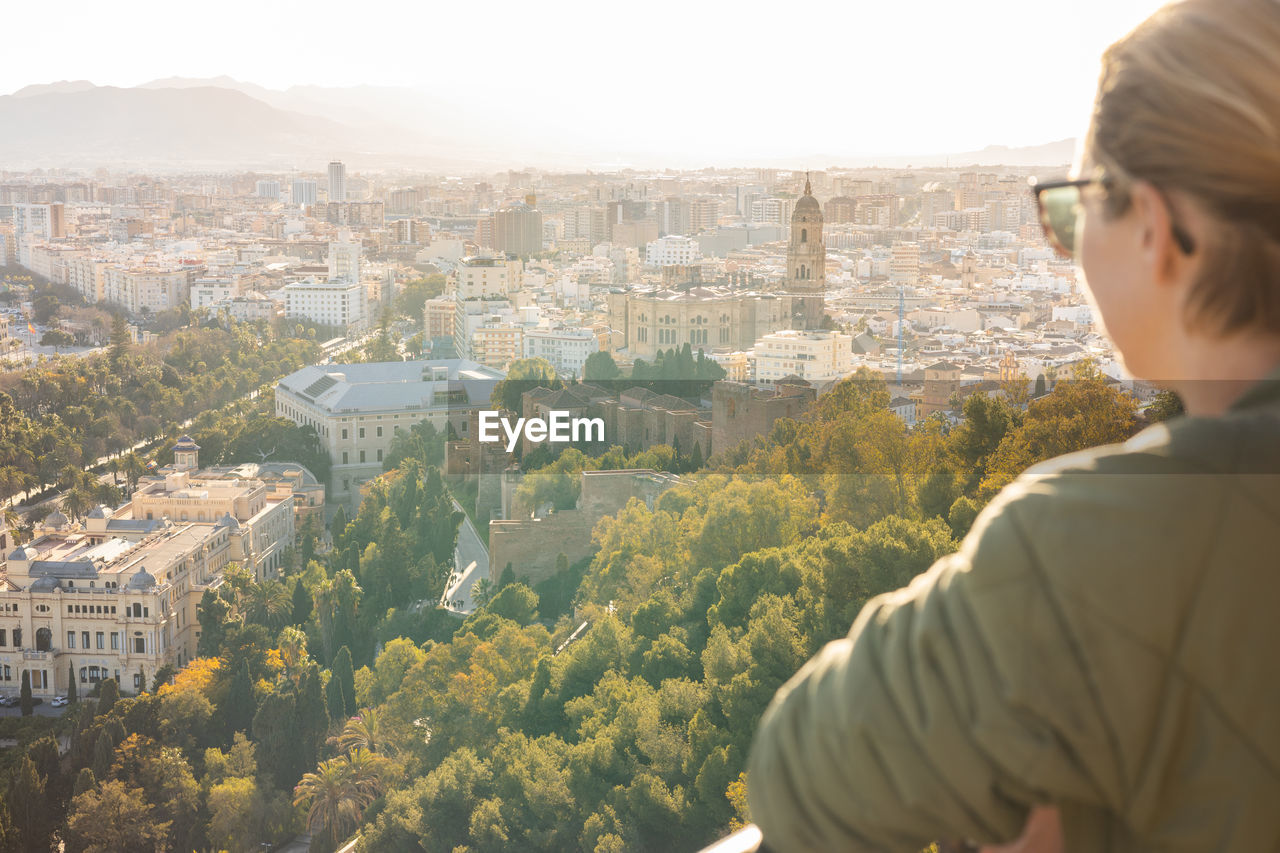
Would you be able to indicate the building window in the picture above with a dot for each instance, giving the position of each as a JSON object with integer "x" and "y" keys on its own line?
{"x": 379, "y": 455}
{"x": 44, "y": 639}
{"x": 344, "y": 432}
{"x": 84, "y": 639}
{"x": 379, "y": 432}
{"x": 361, "y": 455}
{"x": 4, "y": 637}
{"x": 71, "y": 639}
{"x": 139, "y": 645}
{"x": 344, "y": 457}
{"x": 115, "y": 641}
{"x": 99, "y": 638}
{"x": 362, "y": 432}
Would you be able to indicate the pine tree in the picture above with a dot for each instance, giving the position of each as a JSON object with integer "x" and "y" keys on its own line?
{"x": 119, "y": 340}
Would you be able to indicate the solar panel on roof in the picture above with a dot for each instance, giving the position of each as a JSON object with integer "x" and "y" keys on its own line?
{"x": 324, "y": 383}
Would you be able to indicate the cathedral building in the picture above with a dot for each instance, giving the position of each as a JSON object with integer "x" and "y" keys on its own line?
{"x": 807, "y": 262}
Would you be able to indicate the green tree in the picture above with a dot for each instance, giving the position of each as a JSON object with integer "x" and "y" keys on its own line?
{"x": 112, "y": 818}
{"x": 516, "y": 602}
{"x": 108, "y": 694}
{"x": 301, "y": 600}
{"x": 1165, "y": 405}
{"x": 344, "y": 674}
{"x": 72, "y": 695}
{"x": 239, "y": 708}
{"x": 523, "y": 374}
{"x": 25, "y": 699}
{"x": 119, "y": 341}
{"x": 600, "y": 367}
{"x": 29, "y": 807}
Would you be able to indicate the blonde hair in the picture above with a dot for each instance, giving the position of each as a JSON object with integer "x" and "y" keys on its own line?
{"x": 1190, "y": 101}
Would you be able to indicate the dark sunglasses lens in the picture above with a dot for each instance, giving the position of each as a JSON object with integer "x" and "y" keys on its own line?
{"x": 1059, "y": 211}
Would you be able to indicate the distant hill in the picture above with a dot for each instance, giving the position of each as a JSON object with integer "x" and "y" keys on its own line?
{"x": 180, "y": 123}
{"x": 205, "y": 125}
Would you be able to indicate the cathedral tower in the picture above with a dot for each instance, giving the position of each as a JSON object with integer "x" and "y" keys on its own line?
{"x": 807, "y": 261}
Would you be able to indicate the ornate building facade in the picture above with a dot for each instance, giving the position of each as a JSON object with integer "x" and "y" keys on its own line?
{"x": 807, "y": 262}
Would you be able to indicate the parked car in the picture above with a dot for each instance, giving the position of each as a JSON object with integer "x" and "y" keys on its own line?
{"x": 59, "y": 702}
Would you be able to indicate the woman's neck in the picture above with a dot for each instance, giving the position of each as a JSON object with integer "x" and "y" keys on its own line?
{"x": 1214, "y": 373}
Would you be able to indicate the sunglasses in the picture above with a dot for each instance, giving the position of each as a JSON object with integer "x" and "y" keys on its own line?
{"x": 1060, "y": 206}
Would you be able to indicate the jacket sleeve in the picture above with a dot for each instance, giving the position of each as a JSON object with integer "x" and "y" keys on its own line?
{"x": 952, "y": 707}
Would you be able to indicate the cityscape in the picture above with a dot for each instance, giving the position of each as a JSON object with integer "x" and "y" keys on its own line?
{"x": 362, "y": 500}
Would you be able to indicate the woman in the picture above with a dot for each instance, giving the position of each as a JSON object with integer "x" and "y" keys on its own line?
{"x": 1098, "y": 668}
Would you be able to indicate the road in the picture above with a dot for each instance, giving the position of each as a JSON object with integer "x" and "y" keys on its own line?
{"x": 470, "y": 564}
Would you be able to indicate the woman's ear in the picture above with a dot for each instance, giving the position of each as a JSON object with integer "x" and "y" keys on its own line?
{"x": 1153, "y": 221}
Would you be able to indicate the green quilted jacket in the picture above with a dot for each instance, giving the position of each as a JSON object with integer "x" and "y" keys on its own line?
{"x": 1107, "y": 640}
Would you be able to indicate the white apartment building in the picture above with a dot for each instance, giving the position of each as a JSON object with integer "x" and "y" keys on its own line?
{"x": 817, "y": 357}
{"x": 904, "y": 264}
{"x": 344, "y": 260}
{"x": 566, "y": 349}
{"x": 303, "y": 192}
{"x": 470, "y": 314}
{"x": 356, "y": 408}
{"x": 497, "y": 344}
{"x": 208, "y": 292}
{"x": 150, "y": 288}
{"x": 87, "y": 275}
{"x": 672, "y": 250}
{"x": 337, "y": 181}
{"x": 36, "y": 222}
{"x": 268, "y": 189}
{"x": 486, "y": 278}
{"x": 341, "y": 304}
{"x": 775, "y": 210}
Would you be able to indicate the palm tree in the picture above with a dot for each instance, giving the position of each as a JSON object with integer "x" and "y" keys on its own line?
{"x": 76, "y": 503}
{"x": 269, "y": 604}
{"x": 363, "y": 732}
{"x": 337, "y": 793}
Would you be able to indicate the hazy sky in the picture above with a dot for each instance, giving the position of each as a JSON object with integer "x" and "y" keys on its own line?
{"x": 740, "y": 79}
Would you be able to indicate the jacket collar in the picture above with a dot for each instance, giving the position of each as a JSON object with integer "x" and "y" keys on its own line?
{"x": 1264, "y": 391}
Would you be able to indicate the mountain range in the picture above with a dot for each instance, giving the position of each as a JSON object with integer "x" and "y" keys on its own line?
{"x": 190, "y": 124}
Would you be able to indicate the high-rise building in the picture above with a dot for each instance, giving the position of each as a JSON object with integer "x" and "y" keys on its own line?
{"x": 807, "y": 261}
{"x": 337, "y": 181}
{"x": 517, "y": 228}
{"x": 268, "y": 189}
{"x": 304, "y": 192}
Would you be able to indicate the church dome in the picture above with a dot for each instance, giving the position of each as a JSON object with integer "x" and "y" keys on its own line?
{"x": 228, "y": 520}
{"x": 100, "y": 511}
{"x": 56, "y": 519}
{"x": 23, "y": 554}
{"x": 807, "y": 206}
{"x": 143, "y": 579}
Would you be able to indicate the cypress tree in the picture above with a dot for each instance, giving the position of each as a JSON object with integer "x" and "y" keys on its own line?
{"x": 108, "y": 693}
{"x": 301, "y": 603}
{"x": 345, "y": 674}
{"x": 72, "y": 695}
{"x": 239, "y": 709}
{"x": 24, "y": 697}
